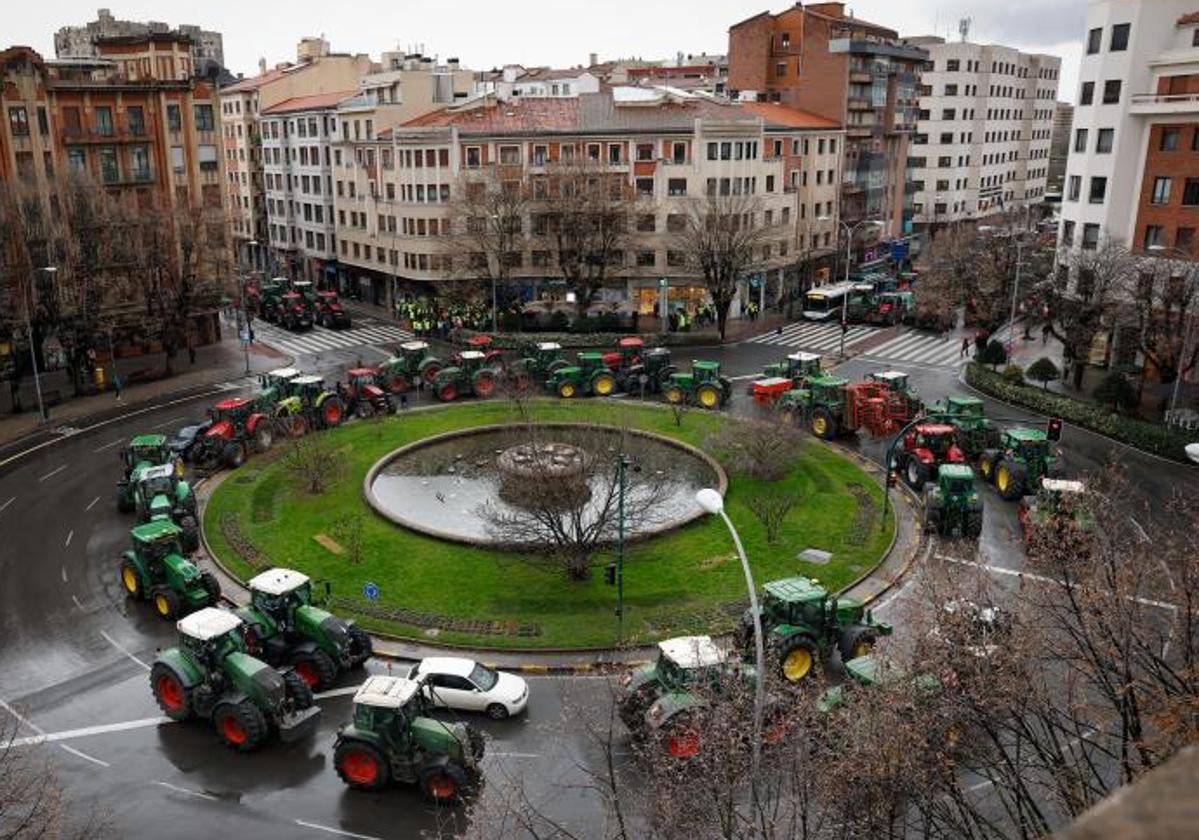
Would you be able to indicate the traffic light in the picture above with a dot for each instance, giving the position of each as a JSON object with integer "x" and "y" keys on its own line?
{"x": 1054, "y": 430}
{"x": 610, "y": 574}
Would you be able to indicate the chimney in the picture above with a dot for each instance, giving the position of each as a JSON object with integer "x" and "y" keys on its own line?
{"x": 594, "y": 59}
{"x": 261, "y": 66}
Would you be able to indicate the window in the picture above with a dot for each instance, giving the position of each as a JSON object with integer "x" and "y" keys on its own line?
{"x": 1161, "y": 190}
{"x": 646, "y": 259}
{"x": 593, "y": 151}
{"x": 646, "y": 223}
{"x": 1111, "y": 92}
{"x": 679, "y": 153}
{"x": 206, "y": 156}
{"x": 645, "y": 186}
{"x": 1190, "y": 192}
{"x": 474, "y": 157}
{"x": 1088, "y": 93}
{"x": 1090, "y": 237}
{"x": 645, "y": 151}
{"x": 780, "y": 68}
{"x": 109, "y": 170}
{"x": 18, "y": 122}
{"x": 676, "y": 223}
{"x": 949, "y": 114}
{"x": 104, "y": 120}
{"x": 178, "y": 163}
{"x": 139, "y": 161}
{"x": 1103, "y": 142}
{"x": 174, "y": 118}
{"x": 1068, "y": 234}
{"x": 1094, "y": 40}
{"x": 615, "y": 153}
{"x": 203, "y": 117}
{"x": 769, "y": 183}
{"x": 674, "y": 259}
{"x": 951, "y": 90}
{"x": 1074, "y": 188}
{"x": 953, "y": 65}
{"x": 1080, "y": 140}
{"x": 43, "y": 122}
{"x": 77, "y": 159}
{"x": 1153, "y": 236}
{"x": 676, "y": 186}
{"x": 136, "y": 119}
{"x": 946, "y": 138}
{"x": 509, "y": 155}
{"x": 1119, "y": 42}
{"x": 1169, "y": 141}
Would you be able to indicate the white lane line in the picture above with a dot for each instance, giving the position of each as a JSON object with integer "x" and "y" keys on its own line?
{"x": 6, "y": 504}
{"x": 20, "y": 718}
{"x": 64, "y": 575}
{"x": 123, "y": 649}
{"x": 1000, "y": 570}
{"x": 84, "y": 755}
{"x": 513, "y": 755}
{"x": 116, "y": 442}
{"x": 78, "y": 603}
{"x": 169, "y": 422}
{"x": 67, "y": 544}
{"x": 335, "y": 692}
{"x": 744, "y": 377}
{"x": 91, "y": 505}
{"x": 186, "y": 791}
{"x": 53, "y": 473}
{"x": 336, "y": 831}
{"x": 88, "y": 731}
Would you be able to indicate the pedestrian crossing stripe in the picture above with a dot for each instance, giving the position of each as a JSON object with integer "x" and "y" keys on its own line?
{"x": 919, "y": 348}
{"x": 320, "y": 339}
{"x": 814, "y": 336}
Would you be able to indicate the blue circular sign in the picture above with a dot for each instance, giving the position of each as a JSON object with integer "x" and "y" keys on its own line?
{"x": 371, "y": 591}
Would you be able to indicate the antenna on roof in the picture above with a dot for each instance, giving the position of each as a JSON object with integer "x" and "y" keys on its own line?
{"x": 964, "y": 28}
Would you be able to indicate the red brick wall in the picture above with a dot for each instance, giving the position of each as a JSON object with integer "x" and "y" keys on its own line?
{"x": 1177, "y": 165}
{"x": 822, "y": 84}
{"x": 749, "y": 54}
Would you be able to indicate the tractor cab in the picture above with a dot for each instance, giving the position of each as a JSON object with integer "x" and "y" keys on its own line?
{"x": 472, "y": 360}
{"x": 360, "y": 378}
{"x": 156, "y": 490}
{"x": 146, "y": 450}
{"x": 894, "y": 379}
{"x": 547, "y": 351}
{"x": 628, "y": 352}
{"x": 705, "y": 371}
{"x": 484, "y": 346}
{"x": 274, "y": 386}
{"x": 957, "y": 482}
{"x": 387, "y": 707}
{"x": 279, "y": 593}
{"x": 794, "y": 600}
{"x": 414, "y": 352}
{"x": 828, "y": 390}
{"x": 228, "y": 416}
{"x": 304, "y": 289}
{"x": 801, "y": 366}
{"x": 967, "y": 408}
{"x": 1029, "y": 445}
{"x": 939, "y": 439}
{"x": 308, "y": 388}
{"x": 157, "y": 539}
{"x": 892, "y": 306}
{"x": 656, "y": 359}
{"x": 211, "y": 634}
{"x": 329, "y": 310}
{"x": 590, "y": 361}
{"x": 689, "y": 661}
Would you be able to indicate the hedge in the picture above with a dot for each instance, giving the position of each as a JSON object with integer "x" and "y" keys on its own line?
{"x": 607, "y": 340}
{"x": 1149, "y": 437}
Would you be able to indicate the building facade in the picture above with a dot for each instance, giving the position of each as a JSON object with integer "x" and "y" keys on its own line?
{"x": 984, "y": 130}
{"x": 1133, "y": 172}
{"x": 80, "y": 41}
{"x": 817, "y": 59}
{"x": 1059, "y": 147}
{"x": 399, "y": 231}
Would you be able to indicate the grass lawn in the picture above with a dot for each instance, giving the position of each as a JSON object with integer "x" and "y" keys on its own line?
{"x": 684, "y": 582}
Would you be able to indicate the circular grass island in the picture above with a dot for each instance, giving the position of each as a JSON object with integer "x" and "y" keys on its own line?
{"x": 681, "y": 582}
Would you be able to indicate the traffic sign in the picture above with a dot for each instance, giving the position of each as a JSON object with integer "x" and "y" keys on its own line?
{"x": 371, "y": 591}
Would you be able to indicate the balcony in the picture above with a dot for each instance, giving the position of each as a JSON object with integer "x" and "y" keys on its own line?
{"x": 860, "y": 105}
{"x": 1149, "y": 104}
{"x": 860, "y": 77}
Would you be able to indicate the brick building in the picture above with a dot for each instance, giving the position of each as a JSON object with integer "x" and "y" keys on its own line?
{"x": 207, "y": 47}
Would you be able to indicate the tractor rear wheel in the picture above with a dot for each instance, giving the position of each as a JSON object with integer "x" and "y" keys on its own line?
{"x": 234, "y": 455}
{"x": 674, "y": 395}
{"x": 799, "y": 657}
{"x": 241, "y": 725}
{"x": 443, "y": 785}
{"x": 824, "y": 424}
{"x": 315, "y": 668}
{"x": 484, "y": 384}
{"x": 430, "y": 372}
{"x": 603, "y": 385}
{"x": 131, "y": 580}
{"x": 165, "y": 601}
{"x": 264, "y": 437}
{"x": 172, "y": 696}
{"x": 708, "y": 396}
{"x": 360, "y": 765}
{"x": 567, "y": 390}
{"x": 974, "y": 524}
{"x": 855, "y": 642}
{"x": 398, "y": 383}
{"x": 364, "y": 410}
{"x": 332, "y": 413}
{"x": 298, "y": 690}
{"x": 917, "y": 474}
{"x": 361, "y": 646}
{"x": 447, "y": 393}
{"x": 986, "y": 465}
{"x": 1010, "y": 478}
{"x": 190, "y": 538}
{"x": 212, "y": 587}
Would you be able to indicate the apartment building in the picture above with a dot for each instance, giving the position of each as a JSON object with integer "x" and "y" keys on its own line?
{"x": 395, "y": 193}
{"x": 316, "y": 71}
{"x": 1133, "y": 171}
{"x": 207, "y": 47}
{"x": 818, "y": 59}
{"x": 515, "y": 80}
{"x": 1059, "y": 147}
{"x": 983, "y": 131}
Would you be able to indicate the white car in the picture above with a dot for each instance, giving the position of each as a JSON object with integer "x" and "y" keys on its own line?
{"x": 466, "y": 685}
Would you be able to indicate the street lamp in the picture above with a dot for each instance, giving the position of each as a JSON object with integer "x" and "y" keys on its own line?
{"x": 622, "y": 466}
{"x": 713, "y": 503}
{"x": 1011, "y": 321}
{"x": 245, "y": 313}
{"x": 850, "y": 230}
{"x": 37, "y": 377}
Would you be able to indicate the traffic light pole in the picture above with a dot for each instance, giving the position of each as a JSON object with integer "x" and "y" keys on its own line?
{"x": 622, "y": 465}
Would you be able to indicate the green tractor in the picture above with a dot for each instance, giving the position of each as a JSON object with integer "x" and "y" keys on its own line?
{"x": 798, "y": 367}
{"x": 143, "y": 451}
{"x": 590, "y": 375}
{"x": 1017, "y": 466}
{"x": 284, "y": 627}
{"x": 393, "y": 738}
{"x": 1058, "y": 511}
{"x": 656, "y": 366}
{"x": 472, "y": 375}
{"x": 804, "y": 623}
{"x": 682, "y": 663}
{"x": 211, "y": 676}
{"x": 952, "y": 505}
{"x": 310, "y": 405}
{"x": 820, "y": 404}
{"x": 160, "y": 494}
{"x": 899, "y": 383}
{"x": 274, "y": 387}
{"x": 412, "y": 363}
{"x": 156, "y": 570}
{"x": 703, "y": 386}
{"x": 974, "y": 431}
{"x": 539, "y": 361}
{"x": 266, "y": 298}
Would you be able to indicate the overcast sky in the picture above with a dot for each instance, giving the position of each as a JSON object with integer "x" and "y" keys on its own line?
{"x": 485, "y": 33}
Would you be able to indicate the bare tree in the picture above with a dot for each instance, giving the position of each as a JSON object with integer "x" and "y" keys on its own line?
{"x": 315, "y": 463}
{"x": 771, "y": 508}
{"x": 347, "y": 530}
{"x": 724, "y": 239}
{"x": 1166, "y": 297}
{"x": 761, "y": 449}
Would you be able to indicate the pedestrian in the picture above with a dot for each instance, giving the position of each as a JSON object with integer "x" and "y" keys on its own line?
{"x": 116, "y": 384}
{"x": 403, "y": 402}
{"x": 191, "y": 352}
{"x": 1045, "y": 331}
{"x": 965, "y": 347}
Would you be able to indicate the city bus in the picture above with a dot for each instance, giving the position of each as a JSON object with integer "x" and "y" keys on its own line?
{"x": 824, "y": 302}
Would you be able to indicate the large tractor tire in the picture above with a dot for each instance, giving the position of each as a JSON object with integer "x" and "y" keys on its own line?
{"x": 234, "y": 455}
{"x": 824, "y": 424}
{"x": 241, "y": 726}
{"x": 1011, "y": 477}
{"x": 172, "y": 696}
{"x": 124, "y": 501}
{"x": 483, "y": 384}
{"x": 447, "y": 393}
{"x": 674, "y": 395}
{"x": 708, "y": 396}
{"x": 298, "y": 690}
{"x": 974, "y": 524}
{"x": 398, "y": 383}
{"x": 364, "y": 410}
{"x": 603, "y": 384}
{"x": 264, "y": 436}
{"x": 443, "y": 784}
{"x": 361, "y": 766}
{"x": 916, "y": 473}
{"x": 166, "y": 601}
{"x": 932, "y": 518}
{"x": 333, "y": 411}
{"x": 429, "y": 371}
{"x": 316, "y": 669}
{"x": 190, "y": 539}
{"x": 682, "y": 739}
{"x": 799, "y": 659}
{"x": 212, "y": 587}
{"x": 131, "y": 581}
{"x": 362, "y": 647}
{"x": 855, "y": 642}
{"x": 726, "y": 390}
{"x": 567, "y": 390}
{"x": 986, "y": 465}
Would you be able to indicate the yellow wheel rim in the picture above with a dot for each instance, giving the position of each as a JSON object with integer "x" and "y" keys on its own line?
{"x": 985, "y": 466}
{"x": 603, "y": 386}
{"x": 129, "y": 578}
{"x": 674, "y": 395}
{"x": 862, "y": 648}
{"x": 162, "y": 605}
{"x": 797, "y": 664}
{"x": 708, "y": 398}
{"x": 819, "y": 425}
{"x": 567, "y": 390}
{"x": 1002, "y": 479}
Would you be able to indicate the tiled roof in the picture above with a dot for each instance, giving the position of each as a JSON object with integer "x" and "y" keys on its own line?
{"x": 1188, "y": 19}
{"x": 776, "y": 114}
{"x": 309, "y": 103}
{"x": 254, "y": 82}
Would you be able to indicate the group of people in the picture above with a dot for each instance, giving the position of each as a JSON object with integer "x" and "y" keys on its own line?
{"x": 428, "y": 319}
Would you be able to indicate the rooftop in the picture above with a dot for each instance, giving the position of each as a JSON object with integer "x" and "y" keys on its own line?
{"x": 386, "y": 692}
{"x": 692, "y": 651}
{"x": 156, "y": 530}
{"x": 208, "y": 623}
{"x": 278, "y": 581}
{"x": 314, "y": 102}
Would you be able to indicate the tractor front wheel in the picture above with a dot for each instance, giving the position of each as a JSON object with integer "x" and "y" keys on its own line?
{"x": 364, "y": 410}
{"x": 263, "y": 436}
{"x": 191, "y": 533}
{"x": 444, "y": 785}
{"x": 398, "y": 384}
{"x": 799, "y": 657}
{"x": 855, "y": 642}
{"x": 298, "y": 690}
{"x": 932, "y": 519}
{"x": 824, "y": 424}
{"x": 484, "y": 384}
{"x": 172, "y": 696}
{"x": 332, "y": 412}
{"x": 974, "y": 524}
{"x": 708, "y": 396}
{"x": 567, "y": 390}
{"x": 241, "y": 725}
{"x": 429, "y": 372}
{"x": 447, "y": 393}
{"x": 917, "y": 474}
{"x": 361, "y": 646}
{"x": 360, "y": 765}
{"x": 604, "y": 385}
{"x": 986, "y": 465}
{"x": 166, "y": 601}
{"x": 1010, "y": 478}
{"x": 212, "y": 587}
{"x": 315, "y": 668}
{"x": 674, "y": 395}
{"x": 234, "y": 455}
{"x": 131, "y": 580}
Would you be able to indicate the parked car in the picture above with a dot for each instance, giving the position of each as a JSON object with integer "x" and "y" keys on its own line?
{"x": 466, "y": 685}
{"x": 184, "y": 440}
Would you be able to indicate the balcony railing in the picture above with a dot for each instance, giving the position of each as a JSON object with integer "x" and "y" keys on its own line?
{"x": 1164, "y": 103}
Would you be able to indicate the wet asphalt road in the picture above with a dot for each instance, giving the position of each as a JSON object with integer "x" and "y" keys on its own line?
{"x": 73, "y": 653}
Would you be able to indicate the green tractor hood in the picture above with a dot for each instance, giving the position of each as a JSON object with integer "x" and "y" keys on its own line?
{"x": 257, "y": 680}
{"x": 331, "y": 634}
{"x": 439, "y": 738}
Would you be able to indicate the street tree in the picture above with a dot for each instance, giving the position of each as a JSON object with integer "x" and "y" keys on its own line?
{"x": 1165, "y": 301}
{"x": 1043, "y": 370}
{"x": 490, "y": 213}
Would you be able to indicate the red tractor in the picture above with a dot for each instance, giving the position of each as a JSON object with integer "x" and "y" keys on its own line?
{"x": 236, "y": 427}
{"x": 493, "y": 357}
{"x": 924, "y": 449}
{"x": 362, "y": 395}
{"x": 329, "y": 312}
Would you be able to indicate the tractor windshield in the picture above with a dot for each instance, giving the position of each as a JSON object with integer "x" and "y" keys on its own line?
{"x": 151, "y": 487}
{"x": 1033, "y": 450}
{"x": 161, "y": 548}
{"x": 153, "y": 454}
{"x": 960, "y": 487}
{"x": 937, "y": 443}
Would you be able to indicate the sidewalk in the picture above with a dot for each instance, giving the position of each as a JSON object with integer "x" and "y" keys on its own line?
{"x": 218, "y": 362}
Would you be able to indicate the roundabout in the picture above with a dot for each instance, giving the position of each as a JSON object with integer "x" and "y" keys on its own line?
{"x": 681, "y": 578}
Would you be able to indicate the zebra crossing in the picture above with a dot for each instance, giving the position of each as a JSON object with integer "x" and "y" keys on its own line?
{"x": 321, "y": 340}
{"x": 919, "y": 348}
{"x": 815, "y": 336}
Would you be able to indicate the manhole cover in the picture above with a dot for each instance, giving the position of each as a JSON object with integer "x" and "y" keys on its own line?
{"x": 815, "y": 555}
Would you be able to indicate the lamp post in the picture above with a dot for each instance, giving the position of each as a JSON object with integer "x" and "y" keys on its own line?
{"x": 1011, "y": 322}
{"x": 712, "y": 502}
{"x": 622, "y": 465}
{"x": 245, "y": 313}
{"x": 850, "y": 230}
{"x": 37, "y": 377}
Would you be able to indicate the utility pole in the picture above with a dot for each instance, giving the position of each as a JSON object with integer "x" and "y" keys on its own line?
{"x": 622, "y": 465}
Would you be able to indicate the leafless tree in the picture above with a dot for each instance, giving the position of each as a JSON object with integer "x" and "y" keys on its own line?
{"x": 1166, "y": 298}
{"x": 33, "y": 804}
{"x": 315, "y": 463}
{"x": 724, "y": 239}
{"x": 762, "y": 449}
{"x": 347, "y": 530}
{"x": 771, "y": 508}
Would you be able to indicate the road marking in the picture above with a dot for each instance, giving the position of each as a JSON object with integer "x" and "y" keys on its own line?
{"x": 78, "y": 603}
{"x": 512, "y": 755}
{"x": 335, "y": 692}
{"x": 64, "y": 575}
{"x": 109, "y": 445}
{"x": 88, "y": 731}
{"x": 53, "y": 473}
{"x": 67, "y": 544}
{"x": 92, "y": 505}
{"x": 169, "y": 422}
{"x": 745, "y": 376}
{"x": 20, "y": 718}
{"x": 84, "y": 755}
{"x": 336, "y": 831}
{"x": 123, "y": 650}
{"x": 186, "y": 791}
{"x": 6, "y": 504}
{"x": 1000, "y": 570}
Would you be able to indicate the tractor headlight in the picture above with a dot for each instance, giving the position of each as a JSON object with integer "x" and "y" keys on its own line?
{"x": 655, "y": 712}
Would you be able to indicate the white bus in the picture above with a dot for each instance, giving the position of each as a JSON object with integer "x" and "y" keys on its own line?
{"x": 824, "y": 302}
